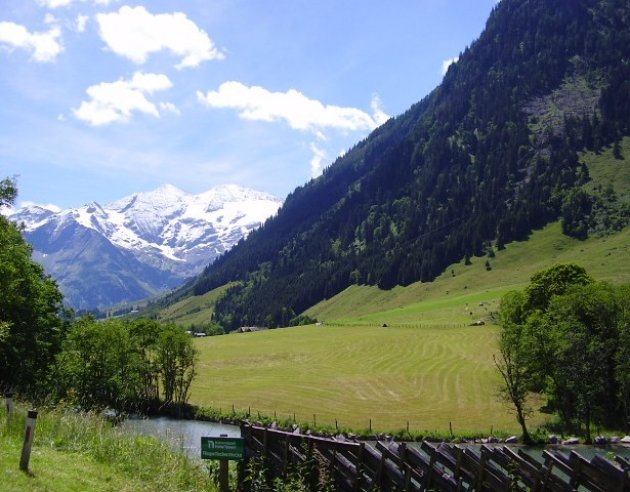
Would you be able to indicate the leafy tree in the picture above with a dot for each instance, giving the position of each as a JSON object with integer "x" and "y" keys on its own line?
{"x": 576, "y": 211}
{"x": 564, "y": 336}
{"x": 176, "y": 362}
{"x": 512, "y": 360}
{"x": 622, "y": 357}
{"x": 553, "y": 281}
{"x": 8, "y": 192}
{"x": 101, "y": 365}
{"x": 125, "y": 364}
{"x": 585, "y": 323}
{"x": 31, "y": 322}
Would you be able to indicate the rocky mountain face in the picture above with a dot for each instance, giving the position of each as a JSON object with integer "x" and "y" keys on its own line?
{"x": 142, "y": 244}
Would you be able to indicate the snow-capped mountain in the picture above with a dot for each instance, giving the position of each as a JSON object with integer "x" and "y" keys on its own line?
{"x": 141, "y": 244}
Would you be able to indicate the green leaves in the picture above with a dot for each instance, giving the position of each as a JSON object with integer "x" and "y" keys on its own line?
{"x": 125, "y": 364}
{"x": 31, "y": 329}
{"x": 564, "y": 336}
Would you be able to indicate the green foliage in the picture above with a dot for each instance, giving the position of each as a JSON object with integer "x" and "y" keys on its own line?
{"x": 561, "y": 336}
{"x": 311, "y": 475}
{"x": 31, "y": 326}
{"x": 302, "y": 320}
{"x": 125, "y": 364}
{"x": 8, "y": 192}
{"x": 576, "y": 210}
{"x": 176, "y": 363}
{"x": 553, "y": 281}
{"x": 622, "y": 357}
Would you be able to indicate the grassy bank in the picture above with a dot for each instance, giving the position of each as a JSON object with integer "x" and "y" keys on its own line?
{"x": 76, "y": 452}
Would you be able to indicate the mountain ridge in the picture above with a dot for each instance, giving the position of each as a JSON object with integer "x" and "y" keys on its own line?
{"x": 152, "y": 241}
{"x": 461, "y": 172}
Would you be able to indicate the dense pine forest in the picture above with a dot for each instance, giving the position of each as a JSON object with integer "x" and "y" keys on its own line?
{"x": 488, "y": 156}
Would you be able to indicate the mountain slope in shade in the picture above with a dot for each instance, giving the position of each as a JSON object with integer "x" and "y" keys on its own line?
{"x": 141, "y": 244}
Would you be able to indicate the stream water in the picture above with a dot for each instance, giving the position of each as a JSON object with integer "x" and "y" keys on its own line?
{"x": 181, "y": 434}
{"x": 186, "y": 435}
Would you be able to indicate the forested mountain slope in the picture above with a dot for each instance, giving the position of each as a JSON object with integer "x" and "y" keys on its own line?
{"x": 489, "y": 155}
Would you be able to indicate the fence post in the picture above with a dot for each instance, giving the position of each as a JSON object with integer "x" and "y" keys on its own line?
{"x": 9, "y": 402}
{"x": 31, "y": 418}
{"x": 224, "y": 485}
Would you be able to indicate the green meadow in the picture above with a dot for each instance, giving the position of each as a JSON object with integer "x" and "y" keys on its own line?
{"x": 428, "y": 367}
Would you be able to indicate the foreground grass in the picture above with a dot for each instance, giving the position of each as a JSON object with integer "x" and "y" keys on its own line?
{"x": 73, "y": 452}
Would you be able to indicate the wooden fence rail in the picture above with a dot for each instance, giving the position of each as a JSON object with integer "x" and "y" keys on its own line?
{"x": 390, "y": 466}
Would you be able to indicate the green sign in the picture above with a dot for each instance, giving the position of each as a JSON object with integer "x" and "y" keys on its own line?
{"x": 222, "y": 448}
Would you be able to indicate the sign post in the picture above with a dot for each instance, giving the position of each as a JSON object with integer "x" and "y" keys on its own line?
{"x": 28, "y": 439}
{"x": 222, "y": 448}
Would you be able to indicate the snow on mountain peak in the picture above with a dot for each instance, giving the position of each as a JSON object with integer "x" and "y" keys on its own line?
{"x": 167, "y": 225}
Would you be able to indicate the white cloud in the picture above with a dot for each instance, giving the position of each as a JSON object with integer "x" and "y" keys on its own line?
{"x": 112, "y": 102}
{"x": 448, "y": 63}
{"x": 45, "y": 46}
{"x": 81, "y": 22}
{"x": 50, "y": 19}
{"x": 55, "y": 4}
{"x": 135, "y": 33}
{"x": 300, "y": 112}
{"x": 168, "y": 107}
{"x": 47, "y": 206}
{"x": 376, "y": 104}
{"x": 318, "y": 160}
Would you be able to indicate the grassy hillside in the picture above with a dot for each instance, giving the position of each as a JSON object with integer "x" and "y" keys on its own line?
{"x": 459, "y": 291}
{"x": 193, "y": 310}
{"x": 605, "y": 170}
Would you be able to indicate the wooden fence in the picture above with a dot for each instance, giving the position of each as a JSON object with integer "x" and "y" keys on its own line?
{"x": 388, "y": 466}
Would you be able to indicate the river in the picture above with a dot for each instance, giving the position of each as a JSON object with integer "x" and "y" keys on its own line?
{"x": 181, "y": 434}
{"x": 186, "y": 435}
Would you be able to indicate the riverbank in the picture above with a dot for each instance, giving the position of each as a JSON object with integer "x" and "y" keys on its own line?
{"x": 541, "y": 436}
{"x": 79, "y": 452}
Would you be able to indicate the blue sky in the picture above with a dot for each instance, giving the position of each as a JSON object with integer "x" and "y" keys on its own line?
{"x": 103, "y": 98}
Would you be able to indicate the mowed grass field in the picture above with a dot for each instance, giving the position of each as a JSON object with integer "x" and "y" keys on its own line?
{"x": 428, "y": 367}
{"x": 427, "y": 376}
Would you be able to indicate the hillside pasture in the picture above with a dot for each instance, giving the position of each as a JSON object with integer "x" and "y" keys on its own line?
{"x": 427, "y": 376}
{"x": 428, "y": 367}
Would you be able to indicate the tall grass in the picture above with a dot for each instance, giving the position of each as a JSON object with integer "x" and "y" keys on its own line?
{"x": 95, "y": 446}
